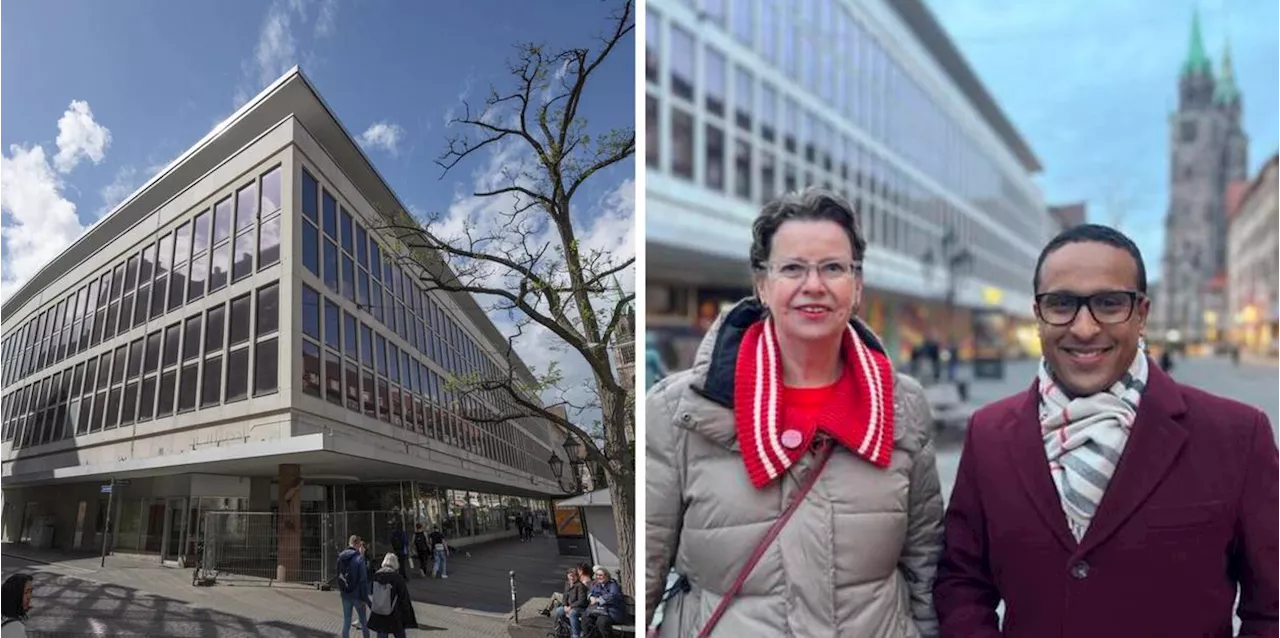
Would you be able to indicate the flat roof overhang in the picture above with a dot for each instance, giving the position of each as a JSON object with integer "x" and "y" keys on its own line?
{"x": 292, "y": 95}
{"x": 322, "y": 459}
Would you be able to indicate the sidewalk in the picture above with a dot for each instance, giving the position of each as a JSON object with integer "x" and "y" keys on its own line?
{"x": 135, "y": 596}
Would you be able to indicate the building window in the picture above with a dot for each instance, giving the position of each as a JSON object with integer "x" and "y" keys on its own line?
{"x": 271, "y": 192}
{"x": 331, "y": 265}
{"x": 743, "y": 17}
{"x": 269, "y": 243}
{"x": 332, "y": 321}
{"x": 652, "y": 131}
{"x": 310, "y": 249}
{"x": 681, "y": 143}
{"x": 238, "y": 374}
{"x": 1188, "y": 131}
{"x": 268, "y": 318}
{"x": 215, "y": 325}
{"x": 310, "y": 368}
{"x": 743, "y": 92}
{"x": 714, "y": 76}
{"x": 715, "y": 158}
{"x": 243, "y": 265}
{"x": 239, "y": 324}
{"x": 187, "y": 385}
{"x": 310, "y": 313}
{"x": 742, "y": 169}
{"x": 682, "y": 63}
{"x": 246, "y": 208}
{"x": 310, "y": 192}
{"x": 211, "y": 393}
{"x": 652, "y": 46}
{"x": 266, "y": 366}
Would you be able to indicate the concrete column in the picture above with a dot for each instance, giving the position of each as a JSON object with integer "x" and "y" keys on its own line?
{"x": 289, "y": 522}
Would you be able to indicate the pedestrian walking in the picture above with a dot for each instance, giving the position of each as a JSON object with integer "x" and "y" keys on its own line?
{"x": 400, "y": 545}
{"x": 1108, "y": 499}
{"x": 791, "y": 464}
{"x": 353, "y": 585}
{"x": 15, "y": 603}
{"x": 422, "y": 546}
{"x": 390, "y": 609}
{"x": 440, "y": 567}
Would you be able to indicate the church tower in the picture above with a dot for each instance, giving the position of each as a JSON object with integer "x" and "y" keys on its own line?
{"x": 1208, "y": 149}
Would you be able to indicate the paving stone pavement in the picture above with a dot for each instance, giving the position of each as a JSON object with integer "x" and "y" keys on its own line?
{"x": 133, "y": 597}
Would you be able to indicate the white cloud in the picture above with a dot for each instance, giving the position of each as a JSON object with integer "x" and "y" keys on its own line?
{"x": 43, "y": 222}
{"x": 278, "y": 48}
{"x": 383, "y": 135}
{"x": 79, "y": 136}
{"x": 326, "y": 21}
{"x": 125, "y": 182}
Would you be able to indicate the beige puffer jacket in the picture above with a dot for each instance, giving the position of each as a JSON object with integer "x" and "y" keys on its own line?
{"x": 856, "y": 559}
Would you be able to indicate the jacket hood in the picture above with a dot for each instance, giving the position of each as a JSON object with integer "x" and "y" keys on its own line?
{"x": 717, "y": 356}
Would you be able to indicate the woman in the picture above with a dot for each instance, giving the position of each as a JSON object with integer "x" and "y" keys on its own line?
{"x": 389, "y": 600}
{"x": 790, "y": 394}
{"x": 605, "y": 604}
{"x": 15, "y": 602}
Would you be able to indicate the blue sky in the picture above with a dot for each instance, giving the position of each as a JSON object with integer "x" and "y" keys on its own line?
{"x": 98, "y": 96}
{"x": 1090, "y": 84}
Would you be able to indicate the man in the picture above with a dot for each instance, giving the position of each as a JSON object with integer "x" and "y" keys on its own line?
{"x": 422, "y": 547}
{"x": 1189, "y": 479}
{"x": 441, "y": 550}
{"x": 353, "y": 584}
{"x": 400, "y": 545}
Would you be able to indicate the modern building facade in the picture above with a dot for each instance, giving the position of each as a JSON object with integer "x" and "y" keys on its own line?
{"x": 747, "y": 99}
{"x": 1207, "y": 151}
{"x": 1253, "y": 247}
{"x": 243, "y": 333}
{"x": 1069, "y": 215}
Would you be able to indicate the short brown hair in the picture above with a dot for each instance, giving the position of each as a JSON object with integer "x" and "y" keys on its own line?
{"x": 812, "y": 204}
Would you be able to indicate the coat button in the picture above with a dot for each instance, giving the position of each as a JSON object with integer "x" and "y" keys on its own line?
{"x": 1080, "y": 570}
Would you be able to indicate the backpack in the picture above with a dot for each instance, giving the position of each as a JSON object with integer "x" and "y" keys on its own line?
{"x": 348, "y": 575}
{"x": 384, "y": 600}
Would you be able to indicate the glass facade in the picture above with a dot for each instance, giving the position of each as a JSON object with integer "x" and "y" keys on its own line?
{"x": 388, "y": 349}
{"x": 96, "y": 359}
{"x": 765, "y": 96}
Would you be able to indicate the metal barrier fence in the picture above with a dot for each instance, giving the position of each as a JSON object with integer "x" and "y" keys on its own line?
{"x": 259, "y": 546}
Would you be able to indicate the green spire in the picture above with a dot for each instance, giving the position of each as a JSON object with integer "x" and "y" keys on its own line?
{"x": 1196, "y": 60}
{"x": 1226, "y": 91}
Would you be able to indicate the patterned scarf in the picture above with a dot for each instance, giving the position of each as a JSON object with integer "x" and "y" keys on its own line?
{"x": 863, "y": 423}
{"x": 1084, "y": 436}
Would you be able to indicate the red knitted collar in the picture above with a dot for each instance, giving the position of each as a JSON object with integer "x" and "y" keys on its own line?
{"x": 768, "y": 446}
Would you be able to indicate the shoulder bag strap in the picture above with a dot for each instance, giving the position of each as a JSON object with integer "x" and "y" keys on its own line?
{"x": 796, "y": 498}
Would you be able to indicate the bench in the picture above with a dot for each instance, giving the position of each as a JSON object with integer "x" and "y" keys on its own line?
{"x": 630, "y": 629}
{"x": 947, "y": 405}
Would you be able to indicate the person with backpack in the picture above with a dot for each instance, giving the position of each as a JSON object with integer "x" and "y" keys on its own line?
{"x": 15, "y": 602}
{"x": 353, "y": 584}
{"x": 389, "y": 604}
{"x": 422, "y": 547}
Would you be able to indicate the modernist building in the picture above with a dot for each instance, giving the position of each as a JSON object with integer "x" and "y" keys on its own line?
{"x": 1253, "y": 243}
{"x": 241, "y": 334}
{"x": 1207, "y": 151}
{"x": 750, "y": 98}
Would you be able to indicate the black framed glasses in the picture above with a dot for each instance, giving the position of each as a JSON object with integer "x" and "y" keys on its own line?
{"x": 1109, "y": 307}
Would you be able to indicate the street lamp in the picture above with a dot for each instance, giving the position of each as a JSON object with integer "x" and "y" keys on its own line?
{"x": 572, "y": 448}
{"x": 557, "y": 465}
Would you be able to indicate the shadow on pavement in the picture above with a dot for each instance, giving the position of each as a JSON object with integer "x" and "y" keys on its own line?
{"x": 480, "y": 583}
{"x": 68, "y": 606}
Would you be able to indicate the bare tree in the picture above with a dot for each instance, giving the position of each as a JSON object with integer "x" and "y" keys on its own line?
{"x": 524, "y": 257}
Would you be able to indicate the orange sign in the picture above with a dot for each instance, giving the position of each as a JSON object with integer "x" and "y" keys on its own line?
{"x": 568, "y": 521}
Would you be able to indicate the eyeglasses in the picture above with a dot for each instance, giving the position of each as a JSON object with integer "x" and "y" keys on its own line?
{"x": 1107, "y": 308}
{"x": 828, "y": 270}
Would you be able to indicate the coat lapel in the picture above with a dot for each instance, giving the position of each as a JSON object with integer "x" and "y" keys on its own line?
{"x": 1153, "y": 446}
{"x": 1026, "y": 451}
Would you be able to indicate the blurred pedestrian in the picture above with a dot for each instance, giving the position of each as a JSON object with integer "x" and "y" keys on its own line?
{"x": 440, "y": 567}
{"x": 353, "y": 585}
{"x": 1166, "y": 360}
{"x": 792, "y": 409}
{"x": 400, "y": 545}
{"x": 422, "y": 546}
{"x": 15, "y": 603}
{"x": 1190, "y": 513}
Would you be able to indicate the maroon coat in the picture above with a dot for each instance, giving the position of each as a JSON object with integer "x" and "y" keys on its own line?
{"x": 1190, "y": 512}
